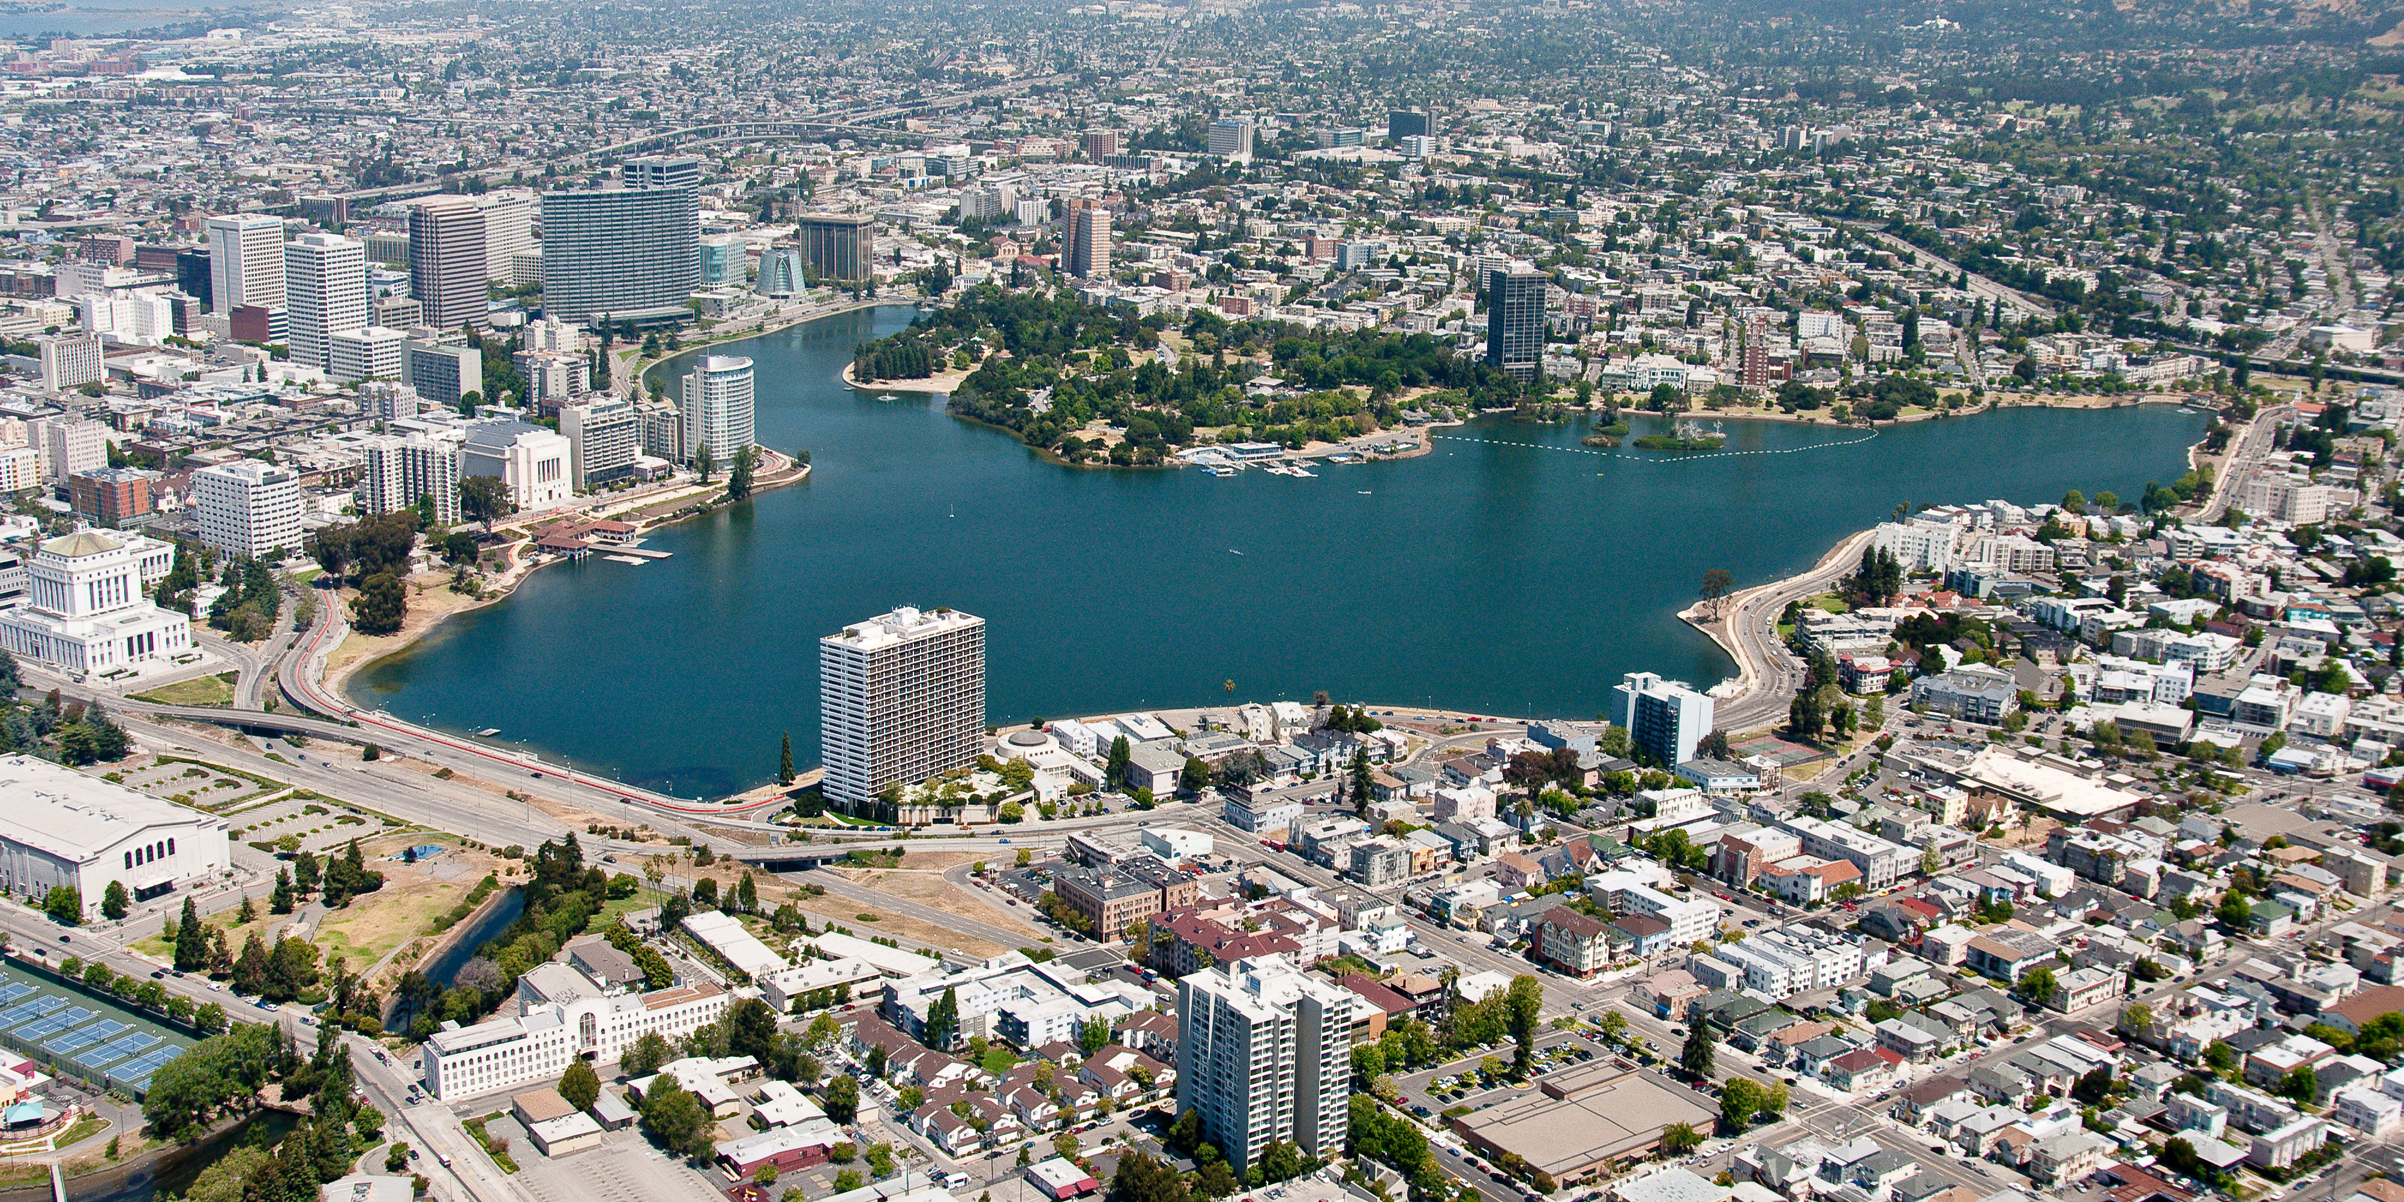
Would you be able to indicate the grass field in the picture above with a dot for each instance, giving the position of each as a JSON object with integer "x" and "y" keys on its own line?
{"x": 200, "y": 690}
{"x": 367, "y": 930}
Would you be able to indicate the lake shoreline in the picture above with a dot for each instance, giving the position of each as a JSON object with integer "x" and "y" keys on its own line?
{"x": 816, "y": 404}
{"x": 337, "y": 680}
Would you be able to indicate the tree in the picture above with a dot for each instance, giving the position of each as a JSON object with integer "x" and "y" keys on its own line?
{"x": 705, "y": 464}
{"x": 64, "y": 905}
{"x": 842, "y": 1099}
{"x": 1114, "y": 775}
{"x": 1716, "y": 584}
{"x": 580, "y": 1085}
{"x": 2038, "y": 985}
{"x": 784, "y": 762}
{"x": 2300, "y": 1084}
{"x": 114, "y": 902}
{"x": 1525, "y": 1002}
{"x": 381, "y": 604}
{"x": 1697, "y": 1056}
{"x": 644, "y": 1056}
{"x": 943, "y": 1020}
{"x": 191, "y": 940}
{"x": 485, "y": 499}
{"x": 751, "y": 1029}
{"x": 1678, "y": 1139}
{"x": 738, "y": 475}
{"x": 1140, "y": 1178}
{"x": 1065, "y": 1146}
{"x": 1740, "y": 1101}
{"x": 1195, "y": 776}
{"x": 1093, "y": 1035}
{"x": 676, "y": 1121}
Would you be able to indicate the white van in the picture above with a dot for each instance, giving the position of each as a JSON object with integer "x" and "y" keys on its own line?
{"x": 955, "y": 1181}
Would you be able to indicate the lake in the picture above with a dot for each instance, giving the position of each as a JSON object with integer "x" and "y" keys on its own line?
{"x": 1511, "y": 571}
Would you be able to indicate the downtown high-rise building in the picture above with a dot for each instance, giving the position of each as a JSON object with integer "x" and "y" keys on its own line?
{"x": 508, "y": 231}
{"x": 1515, "y": 321}
{"x": 717, "y": 407}
{"x": 325, "y": 295}
{"x": 1088, "y": 250}
{"x": 838, "y": 246}
{"x": 448, "y": 266}
{"x": 625, "y": 253}
{"x": 1407, "y": 123}
{"x": 661, "y": 171}
{"x": 1264, "y": 1052}
{"x": 1231, "y": 139}
{"x": 246, "y": 261}
{"x": 901, "y": 699}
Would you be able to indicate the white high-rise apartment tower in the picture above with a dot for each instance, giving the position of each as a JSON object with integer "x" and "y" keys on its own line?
{"x": 325, "y": 291}
{"x": 247, "y": 508}
{"x": 246, "y": 261}
{"x": 717, "y": 408}
{"x": 901, "y": 698}
{"x": 1264, "y": 1052}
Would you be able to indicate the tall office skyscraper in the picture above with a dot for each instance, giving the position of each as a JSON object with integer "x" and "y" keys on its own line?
{"x": 1407, "y": 123}
{"x": 1088, "y": 255}
{"x": 1264, "y": 1052}
{"x": 1099, "y": 144}
{"x": 246, "y": 261}
{"x": 901, "y": 698}
{"x": 838, "y": 246}
{"x": 632, "y": 253}
{"x": 1665, "y": 718}
{"x": 508, "y": 230}
{"x": 1515, "y": 321}
{"x": 447, "y": 263}
{"x": 717, "y": 407}
{"x": 1231, "y": 139}
{"x": 325, "y": 290}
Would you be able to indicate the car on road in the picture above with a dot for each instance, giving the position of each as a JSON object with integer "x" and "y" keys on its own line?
{"x": 158, "y": 974}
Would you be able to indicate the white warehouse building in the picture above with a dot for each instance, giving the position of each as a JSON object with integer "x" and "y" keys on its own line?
{"x": 62, "y": 827}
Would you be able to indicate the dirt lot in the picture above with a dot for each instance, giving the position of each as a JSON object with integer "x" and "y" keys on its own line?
{"x": 928, "y": 887}
{"x": 910, "y": 931}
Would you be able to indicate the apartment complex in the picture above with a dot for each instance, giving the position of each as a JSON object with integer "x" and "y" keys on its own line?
{"x": 718, "y": 407}
{"x": 901, "y": 698}
{"x": 1515, "y": 321}
{"x": 248, "y": 508}
{"x": 1264, "y": 1052}
{"x": 629, "y": 254}
{"x": 1666, "y": 719}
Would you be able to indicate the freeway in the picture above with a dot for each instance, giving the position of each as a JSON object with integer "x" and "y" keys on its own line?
{"x": 1979, "y": 284}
